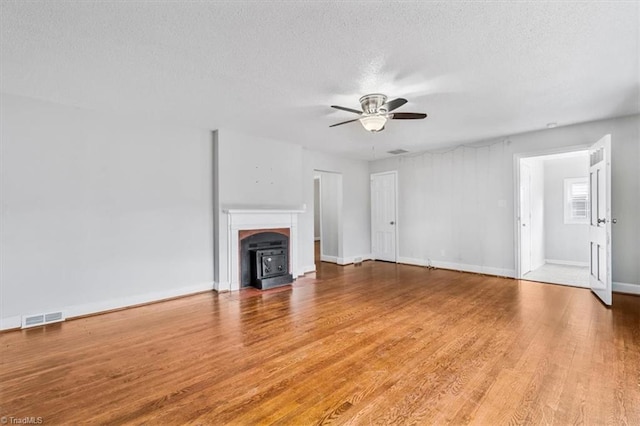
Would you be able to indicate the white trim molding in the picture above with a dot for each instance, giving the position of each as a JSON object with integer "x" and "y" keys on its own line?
{"x": 308, "y": 269}
{"x": 330, "y": 259}
{"x": 477, "y": 269}
{"x": 352, "y": 259}
{"x": 342, "y": 261}
{"x": 221, "y": 287}
{"x": 626, "y": 288}
{"x": 9, "y": 323}
{"x": 567, "y": 263}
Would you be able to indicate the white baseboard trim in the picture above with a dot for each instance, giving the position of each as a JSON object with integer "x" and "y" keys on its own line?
{"x": 221, "y": 286}
{"x": 330, "y": 259}
{"x": 352, "y": 259}
{"x": 478, "y": 269}
{"x": 72, "y": 311}
{"x": 566, "y": 262}
{"x": 412, "y": 261}
{"x": 626, "y": 288}
{"x": 537, "y": 265}
{"x": 345, "y": 260}
{"x": 11, "y": 322}
{"x": 307, "y": 269}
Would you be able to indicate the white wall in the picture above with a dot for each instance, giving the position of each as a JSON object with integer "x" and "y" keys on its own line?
{"x": 564, "y": 242}
{"x": 457, "y": 208}
{"x": 98, "y": 211}
{"x": 256, "y": 171}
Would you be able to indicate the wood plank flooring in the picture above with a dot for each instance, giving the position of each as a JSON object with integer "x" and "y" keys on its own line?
{"x": 378, "y": 343}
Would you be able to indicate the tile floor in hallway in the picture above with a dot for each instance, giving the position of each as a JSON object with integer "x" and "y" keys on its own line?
{"x": 560, "y": 274}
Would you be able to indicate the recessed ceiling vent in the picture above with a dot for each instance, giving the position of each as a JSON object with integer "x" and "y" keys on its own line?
{"x": 41, "y": 319}
{"x": 397, "y": 151}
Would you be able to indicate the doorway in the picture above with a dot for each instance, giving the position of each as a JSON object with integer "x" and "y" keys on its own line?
{"x": 384, "y": 236}
{"x": 553, "y": 218}
{"x": 327, "y": 217}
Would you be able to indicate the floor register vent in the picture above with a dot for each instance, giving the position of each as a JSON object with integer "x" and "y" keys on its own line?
{"x": 41, "y": 319}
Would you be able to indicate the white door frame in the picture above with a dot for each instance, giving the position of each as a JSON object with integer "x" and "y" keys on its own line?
{"x": 516, "y": 192}
{"x": 525, "y": 221}
{"x": 395, "y": 228}
{"x": 318, "y": 177}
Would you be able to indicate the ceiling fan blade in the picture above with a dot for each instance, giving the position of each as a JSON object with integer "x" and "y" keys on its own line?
{"x": 407, "y": 116}
{"x": 391, "y": 105}
{"x": 347, "y": 109}
{"x": 344, "y": 122}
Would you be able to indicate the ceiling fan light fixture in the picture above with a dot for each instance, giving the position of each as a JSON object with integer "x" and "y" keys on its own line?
{"x": 376, "y": 111}
{"x": 373, "y": 123}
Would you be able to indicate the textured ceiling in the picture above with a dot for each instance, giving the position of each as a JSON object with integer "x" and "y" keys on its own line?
{"x": 479, "y": 70}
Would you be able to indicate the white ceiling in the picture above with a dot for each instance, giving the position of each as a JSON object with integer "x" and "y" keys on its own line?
{"x": 479, "y": 70}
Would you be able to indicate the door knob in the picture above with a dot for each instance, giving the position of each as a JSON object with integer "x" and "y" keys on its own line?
{"x": 602, "y": 220}
{"x": 392, "y": 223}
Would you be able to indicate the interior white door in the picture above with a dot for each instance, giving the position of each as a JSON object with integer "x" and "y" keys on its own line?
{"x": 525, "y": 219}
{"x": 383, "y": 216}
{"x": 600, "y": 219}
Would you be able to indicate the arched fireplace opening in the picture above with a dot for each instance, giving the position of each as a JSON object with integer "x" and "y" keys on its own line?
{"x": 264, "y": 258}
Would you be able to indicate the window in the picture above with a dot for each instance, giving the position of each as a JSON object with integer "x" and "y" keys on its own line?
{"x": 576, "y": 200}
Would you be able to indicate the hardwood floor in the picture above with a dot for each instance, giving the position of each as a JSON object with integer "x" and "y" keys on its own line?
{"x": 378, "y": 343}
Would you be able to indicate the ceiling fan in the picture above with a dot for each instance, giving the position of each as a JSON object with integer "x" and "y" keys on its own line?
{"x": 376, "y": 111}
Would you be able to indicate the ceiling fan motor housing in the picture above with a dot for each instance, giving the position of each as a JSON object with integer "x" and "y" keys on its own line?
{"x": 372, "y": 103}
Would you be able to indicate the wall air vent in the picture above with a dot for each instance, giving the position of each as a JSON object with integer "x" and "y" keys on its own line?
{"x": 397, "y": 151}
{"x": 41, "y": 319}
{"x": 53, "y": 317}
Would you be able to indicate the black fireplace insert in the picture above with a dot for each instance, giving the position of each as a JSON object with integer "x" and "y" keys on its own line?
{"x": 264, "y": 260}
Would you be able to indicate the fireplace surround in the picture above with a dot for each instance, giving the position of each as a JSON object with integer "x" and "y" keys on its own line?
{"x": 245, "y": 221}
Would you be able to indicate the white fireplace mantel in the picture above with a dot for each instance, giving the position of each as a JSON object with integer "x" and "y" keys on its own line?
{"x": 240, "y": 219}
{"x": 262, "y": 211}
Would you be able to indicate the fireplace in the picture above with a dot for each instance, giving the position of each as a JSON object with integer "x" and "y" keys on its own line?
{"x": 244, "y": 222}
{"x": 264, "y": 258}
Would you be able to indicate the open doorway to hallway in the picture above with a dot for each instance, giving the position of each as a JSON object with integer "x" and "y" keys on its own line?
{"x": 317, "y": 230}
{"x": 554, "y": 218}
{"x": 327, "y": 217}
